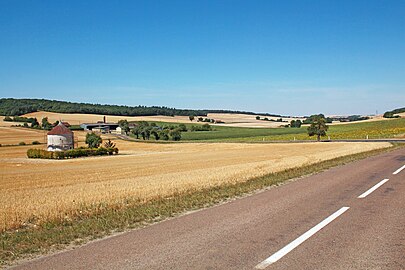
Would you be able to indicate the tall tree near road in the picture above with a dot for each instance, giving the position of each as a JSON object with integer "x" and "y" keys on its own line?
{"x": 318, "y": 127}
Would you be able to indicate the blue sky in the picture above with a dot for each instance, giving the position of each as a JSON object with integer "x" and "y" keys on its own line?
{"x": 287, "y": 57}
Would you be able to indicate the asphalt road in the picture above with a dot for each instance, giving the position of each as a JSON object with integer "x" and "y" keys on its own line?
{"x": 302, "y": 224}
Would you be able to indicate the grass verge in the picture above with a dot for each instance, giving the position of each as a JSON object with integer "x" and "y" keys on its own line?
{"x": 53, "y": 236}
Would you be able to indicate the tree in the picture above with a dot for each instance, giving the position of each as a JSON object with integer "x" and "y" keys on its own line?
{"x": 175, "y": 135}
{"x": 136, "y": 131}
{"x": 191, "y": 117}
{"x": 34, "y": 123}
{"x": 145, "y": 133}
{"x": 183, "y": 127}
{"x": 93, "y": 140}
{"x": 312, "y": 118}
{"x": 295, "y": 123}
{"x": 124, "y": 125}
{"x": 164, "y": 134}
{"x": 257, "y": 117}
{"x": 318, "y": 127}
{"x": 155, "y": 133}
{"x": 45, "y": 123}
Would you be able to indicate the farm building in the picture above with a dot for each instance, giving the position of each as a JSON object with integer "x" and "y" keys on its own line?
{"x": 60, "y": 138}
{"x": 97, "y": 126}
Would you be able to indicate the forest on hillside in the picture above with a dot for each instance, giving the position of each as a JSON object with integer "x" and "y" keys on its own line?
{"x": 15, "y": 107}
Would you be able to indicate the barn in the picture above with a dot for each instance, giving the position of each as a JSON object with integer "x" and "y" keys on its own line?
{"x": 60, "y": 138}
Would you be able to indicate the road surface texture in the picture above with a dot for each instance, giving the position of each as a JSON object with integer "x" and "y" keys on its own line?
{"x": 317, "y": 222}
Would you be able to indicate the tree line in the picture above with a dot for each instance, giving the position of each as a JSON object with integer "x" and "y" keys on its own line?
{"x": 15, "y": 107}
{"x": 145, "y": 130}
{"x": 392, "y": 114}
{"x": 11, "y": 107}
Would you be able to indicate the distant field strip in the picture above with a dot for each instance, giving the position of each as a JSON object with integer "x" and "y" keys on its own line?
{"x": 372, "y": 130}
{"x": 34, "y": 191}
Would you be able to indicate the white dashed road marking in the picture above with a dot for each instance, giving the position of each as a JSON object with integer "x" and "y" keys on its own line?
{"x": 282, "y": 252}
{"x": 399, "y": 170}
{"x": 365, "y": 194}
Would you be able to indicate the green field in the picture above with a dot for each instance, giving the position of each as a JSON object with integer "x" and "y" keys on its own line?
{"x": 375, "y": 130}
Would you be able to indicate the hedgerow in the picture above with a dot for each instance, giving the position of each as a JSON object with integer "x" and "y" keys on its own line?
{"x": 72, "y": 153}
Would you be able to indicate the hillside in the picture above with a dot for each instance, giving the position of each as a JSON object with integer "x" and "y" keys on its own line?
{"x": 12, "y": 107}
{"x": 395, "y": 113}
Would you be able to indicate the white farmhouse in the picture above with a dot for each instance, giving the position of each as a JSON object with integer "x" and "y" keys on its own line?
{"x": 60, "y": 138}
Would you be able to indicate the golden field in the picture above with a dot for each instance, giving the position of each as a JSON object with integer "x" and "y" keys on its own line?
{"x": 33, "y": 191}
{"x": 232, "y": 120}
{"x": 229, "y": 119}
{"x": 15, "y": 135}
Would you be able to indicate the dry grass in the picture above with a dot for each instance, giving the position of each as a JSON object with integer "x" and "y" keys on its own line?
{"x": 34, "y": 191}
{"x": 77, "y": 118}
{"x": 13, "y": 135}
{"x": 230, "y": 120}
{"x": 7, "y": 123}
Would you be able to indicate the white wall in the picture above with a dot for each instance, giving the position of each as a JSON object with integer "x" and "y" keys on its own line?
{"x": 60, "y": 142}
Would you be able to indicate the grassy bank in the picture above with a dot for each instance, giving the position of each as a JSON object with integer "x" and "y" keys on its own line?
{"x": 103, "y": 221}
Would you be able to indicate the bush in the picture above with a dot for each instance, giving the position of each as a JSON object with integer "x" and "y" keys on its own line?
{"x": 205, "y": 127}
{"x": 36, "y": 142}
{"x": 72, "y": 153}
{"x": 21, "y": 143}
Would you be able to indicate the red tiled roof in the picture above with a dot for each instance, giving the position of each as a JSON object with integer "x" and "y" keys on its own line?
{"x": 60, "y": 129}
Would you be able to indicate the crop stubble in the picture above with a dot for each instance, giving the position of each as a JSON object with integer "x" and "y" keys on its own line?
{"x": 34, "y": 191}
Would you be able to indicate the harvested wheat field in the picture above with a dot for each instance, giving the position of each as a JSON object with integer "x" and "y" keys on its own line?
{"x": 77, "y": 118}
{"x": 7, "y": 123}
{"x": 250, "y": 121}
{"x": 232, "y": 120}
{"x": 33, "y": 191}
{"x": 14, "y": 135}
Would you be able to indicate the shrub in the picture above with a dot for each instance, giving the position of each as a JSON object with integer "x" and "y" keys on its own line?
{"x": 35, "y": 142}
{"x": 109, "y": 144}
{"x": 21, "y": 143}
{"x": 205, "y": 127}
{"x": 72, "y": 153}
